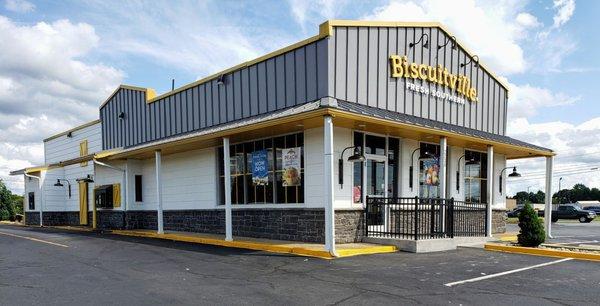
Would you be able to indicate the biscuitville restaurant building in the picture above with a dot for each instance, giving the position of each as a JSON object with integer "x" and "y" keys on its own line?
{"x": 366, "y": 131}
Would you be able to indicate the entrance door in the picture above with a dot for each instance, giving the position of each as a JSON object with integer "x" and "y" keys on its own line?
{"x": 376, "y": 186}
{"x": 83, "y": 203}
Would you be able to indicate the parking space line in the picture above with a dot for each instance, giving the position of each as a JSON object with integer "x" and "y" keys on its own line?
{"x": 505, "y": 273}
{"x": 35, "y": 239}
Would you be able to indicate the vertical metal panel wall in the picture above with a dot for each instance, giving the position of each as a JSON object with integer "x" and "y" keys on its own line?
{"x": 290, "y": 79}
{"x": 360, "y": 72}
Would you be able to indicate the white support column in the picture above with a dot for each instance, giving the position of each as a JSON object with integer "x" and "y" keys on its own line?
{"x": 159, "y": 210}
{"x": 227, "y": 191}
{"x": 42, "y": 200}
{"x": 490, "y": 189}
{"x": 328, "y": 184}
{"x": 548, "y": 206}
{"x": 443, "y": 175}
{"x": 443, "y": 166}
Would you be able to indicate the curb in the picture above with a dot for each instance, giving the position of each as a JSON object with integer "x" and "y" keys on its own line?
{"x": 541, "y": 252}
{"x": 257, "y": 246}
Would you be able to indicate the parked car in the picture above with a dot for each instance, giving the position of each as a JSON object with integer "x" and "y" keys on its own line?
{"x": 571, "y": 211}
{"x": 517, "y": 210}
{"x": 595, "y": 209}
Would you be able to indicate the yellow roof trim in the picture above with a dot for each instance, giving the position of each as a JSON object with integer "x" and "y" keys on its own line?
{"x": 106, "y": 153}
{"x": 327, "y": 27}
{"x": 72, "y": 130}
{"x": 150, "y": 93}
{"x": 240, "y": 66}
{"x": 35, "y": 169}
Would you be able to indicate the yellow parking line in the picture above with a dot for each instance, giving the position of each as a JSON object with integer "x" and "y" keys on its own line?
{"x": 34, "y": 239}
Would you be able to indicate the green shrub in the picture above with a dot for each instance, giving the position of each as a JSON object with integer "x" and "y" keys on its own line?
{"x": 532, "y": 231}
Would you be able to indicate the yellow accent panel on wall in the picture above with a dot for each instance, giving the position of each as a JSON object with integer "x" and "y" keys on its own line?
{"x": 83, "y": 203}
{"x": 116, "y": 195}
{"x": 83, "y": 150}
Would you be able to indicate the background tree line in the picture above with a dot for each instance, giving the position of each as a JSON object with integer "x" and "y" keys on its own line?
{"x": 10, "y": 204}
{"x": 579, "y": 192}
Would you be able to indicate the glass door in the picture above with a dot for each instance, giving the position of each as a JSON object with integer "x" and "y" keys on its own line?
{"x": 376, "y": 186}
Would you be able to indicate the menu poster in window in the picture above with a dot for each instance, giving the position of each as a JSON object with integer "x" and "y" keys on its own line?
{"x": 431, "y": 173}
{"x": 260, "y": 164}
{"x": 291, "y": 166}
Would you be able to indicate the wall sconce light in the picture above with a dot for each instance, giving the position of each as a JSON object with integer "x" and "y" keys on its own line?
{"x": 449, "y": 39}
{"x": 472, "y": 60}
{"x": 59, "y": 184}
{"x": 471, "y": 161}
{"x": 425, "y": 42}
{"x": 221, "y": 80}
{"x": 354, "y": 158}
{"x": 70, "y": 134}
{"x": 121, "y": 115}
{"x": 514, "y": 173}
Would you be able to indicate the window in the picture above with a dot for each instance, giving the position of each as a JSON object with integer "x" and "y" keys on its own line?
{"x": 138, "y": 188}
{"x": 279, "y": 185}
{"x": 31, "y": 200}
{"x": 475, "y": 177}
{"x": 429, "y": 164}
{"x": 381, "y": 165}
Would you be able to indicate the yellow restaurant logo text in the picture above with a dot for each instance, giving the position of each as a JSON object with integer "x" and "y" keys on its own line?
{"x": 401, "y": 68}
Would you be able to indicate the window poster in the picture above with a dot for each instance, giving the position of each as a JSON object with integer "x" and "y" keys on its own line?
{"x": 431, "y": 173}
{"x": 291, "y": 166}
{"x": 260, "y": 168}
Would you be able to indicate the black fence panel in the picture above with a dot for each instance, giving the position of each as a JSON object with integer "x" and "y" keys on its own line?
{"x": 423, "y": 218}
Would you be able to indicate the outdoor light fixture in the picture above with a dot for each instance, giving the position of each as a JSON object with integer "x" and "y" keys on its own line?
{"x": 410, "y": 169}
{"x": 59, "y": 184}
{"x": 449, "y": 39}
{"x": 121, "y": 115}
{"x": 471, "y": 161}
{"x": 221, "y": 80}
{"x": 70, "y": 134}
{"x": 88, "y": 179}
{"x": 425, "y": 42}
{"x": 471, "y": 60}
{"x": 514, "y": 173}
{"x": 354, "y": 158}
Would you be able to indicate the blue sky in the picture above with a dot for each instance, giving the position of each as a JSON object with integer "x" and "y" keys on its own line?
{"x": 63, "y": 58}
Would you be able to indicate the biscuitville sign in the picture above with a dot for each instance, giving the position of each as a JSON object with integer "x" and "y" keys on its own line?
{"x": 459, "y": 85}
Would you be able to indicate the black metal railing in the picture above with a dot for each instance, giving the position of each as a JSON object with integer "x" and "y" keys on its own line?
{"x": 423, "y": 218}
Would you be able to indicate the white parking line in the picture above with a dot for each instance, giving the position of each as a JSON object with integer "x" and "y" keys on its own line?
{"x": 35, "y": 239}
{"x": 504, "y": 273}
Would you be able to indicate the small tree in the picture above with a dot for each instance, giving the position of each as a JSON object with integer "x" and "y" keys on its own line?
{"x": 532, "y": 231}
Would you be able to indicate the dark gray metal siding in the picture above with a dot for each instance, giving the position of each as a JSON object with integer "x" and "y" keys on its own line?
{"x": 360, "y": 74}
{"x": 286, "y": 80}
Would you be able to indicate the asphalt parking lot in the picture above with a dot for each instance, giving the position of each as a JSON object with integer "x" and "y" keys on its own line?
{"x": 52, "y": 267}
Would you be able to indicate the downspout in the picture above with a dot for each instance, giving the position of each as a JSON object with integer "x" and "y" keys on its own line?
{"x": 125, "y": 189}
{"x": 39, "y": 178}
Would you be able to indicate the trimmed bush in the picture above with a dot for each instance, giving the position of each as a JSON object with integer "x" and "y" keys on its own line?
{"x": 532, "y": 232}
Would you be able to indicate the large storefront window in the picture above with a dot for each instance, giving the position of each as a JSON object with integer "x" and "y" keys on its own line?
{"x": 475, "y": 177}
{"x": 278, "y": 176}
{"x": 378, "y": 175}
{"x": 429, "y": 167}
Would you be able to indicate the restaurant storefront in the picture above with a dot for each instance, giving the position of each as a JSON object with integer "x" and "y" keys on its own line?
{"x": 380, "y": 129}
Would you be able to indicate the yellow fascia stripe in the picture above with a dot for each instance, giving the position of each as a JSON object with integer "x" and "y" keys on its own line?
{"x": 541, "y": 252}
{"x": 72, "y": 130}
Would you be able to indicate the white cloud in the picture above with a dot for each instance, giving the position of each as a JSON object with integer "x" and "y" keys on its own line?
{"x": 526, "y": 100}
{"x": 46, "y": 86}
{"x": 564, "y": 12}
{"x": 577, "y": 153}
{"x": 527, "y": 20}
{"x": 308, "y": 13}
{"x": 19, "y": 6}
{"x": 489, "y": 29}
